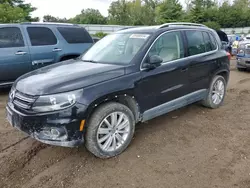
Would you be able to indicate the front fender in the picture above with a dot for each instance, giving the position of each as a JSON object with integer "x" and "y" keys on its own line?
{"x": 96, "y": 94}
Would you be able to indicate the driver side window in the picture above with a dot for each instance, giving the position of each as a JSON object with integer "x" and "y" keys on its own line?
{"x": 169, "y": 47}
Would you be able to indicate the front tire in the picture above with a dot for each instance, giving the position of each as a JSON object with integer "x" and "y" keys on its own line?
{"x": 216, "y": 93}
{"x": 110, "y": 130}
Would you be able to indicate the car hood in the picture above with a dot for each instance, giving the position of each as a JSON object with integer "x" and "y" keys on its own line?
{"x": 66, "y": 76}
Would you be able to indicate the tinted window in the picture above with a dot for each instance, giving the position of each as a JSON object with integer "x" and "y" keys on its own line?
{"x": 11, "y": 37}
{"x": 208, "y": 43}
{"x": 41, "y": 36}
{"x": 213, "y": 42}
{"x": 196, "y": 44}
{"x": 75, "y": 35}
{"x": 169, "y": 47}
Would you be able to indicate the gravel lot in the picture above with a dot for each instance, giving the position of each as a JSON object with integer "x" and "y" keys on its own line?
{"x": 191, "y": 147}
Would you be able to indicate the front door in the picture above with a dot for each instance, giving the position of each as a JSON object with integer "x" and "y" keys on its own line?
{"x": 168, "y": 81}
{"x": 45, "y": 48}
{"x": 14, "y": 54}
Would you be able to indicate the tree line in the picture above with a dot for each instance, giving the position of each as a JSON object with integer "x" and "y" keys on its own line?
{"x": 213, "y": 13}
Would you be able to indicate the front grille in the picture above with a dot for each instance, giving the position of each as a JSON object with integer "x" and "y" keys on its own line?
{"x": 22, "y": 101}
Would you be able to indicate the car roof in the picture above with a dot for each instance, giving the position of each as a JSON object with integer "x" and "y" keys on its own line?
{"x": 163, "y": 27}
{"x": 42, "y": 24}
{"x": 153, "y": 29}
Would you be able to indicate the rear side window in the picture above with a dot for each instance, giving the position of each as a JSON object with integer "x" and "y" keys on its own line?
{"x": 75, "y": 35}
{"x": 41, "y": 36}
{"x": 208, "y": 43}
{"x": 213, "y": 42}
{"x": 11, "y": 37}
{"x": 196, "y": 43}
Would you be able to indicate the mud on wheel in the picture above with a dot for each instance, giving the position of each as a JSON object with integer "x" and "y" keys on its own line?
{"x": 110, "y": 130}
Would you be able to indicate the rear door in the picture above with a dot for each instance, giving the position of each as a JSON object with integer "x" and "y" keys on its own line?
{"x": 202, "y": 53}
{"x": 14, "y": 54}
{"x": 45, "y": 48}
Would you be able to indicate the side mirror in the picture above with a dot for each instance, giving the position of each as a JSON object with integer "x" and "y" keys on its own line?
{"x": 153, "y": 62}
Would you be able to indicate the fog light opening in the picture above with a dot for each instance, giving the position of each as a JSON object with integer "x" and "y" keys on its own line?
{"x": 52, "y": 133}
{"x": 55, "y": 132}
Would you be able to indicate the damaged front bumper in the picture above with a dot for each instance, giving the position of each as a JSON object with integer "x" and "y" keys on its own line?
{"x": 61, "y": 128}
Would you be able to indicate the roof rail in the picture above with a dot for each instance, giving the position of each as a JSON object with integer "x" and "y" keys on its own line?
{"x": 49, "y": 23}
{"x": 180, "y": 24}
{"x": 129, "y": 27}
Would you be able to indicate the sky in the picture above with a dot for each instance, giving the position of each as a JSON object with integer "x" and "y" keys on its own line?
{"x": 67, "y": 8}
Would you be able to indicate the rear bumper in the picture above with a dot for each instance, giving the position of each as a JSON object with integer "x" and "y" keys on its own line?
{"x": 34, "y": 125}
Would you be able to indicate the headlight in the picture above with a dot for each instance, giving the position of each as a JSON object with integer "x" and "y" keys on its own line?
{"x": 57, "y": 101}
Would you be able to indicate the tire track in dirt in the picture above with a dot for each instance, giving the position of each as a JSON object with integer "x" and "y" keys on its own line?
{"x": 14, "y": 144}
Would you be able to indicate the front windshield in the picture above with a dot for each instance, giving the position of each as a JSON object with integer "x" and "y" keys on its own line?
{"x": 118, "y": 48}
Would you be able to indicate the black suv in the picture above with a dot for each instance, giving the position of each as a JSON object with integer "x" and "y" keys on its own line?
{"x": 129, "y": 76}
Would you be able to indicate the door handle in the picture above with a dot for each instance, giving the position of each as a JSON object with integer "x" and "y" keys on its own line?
{"x": 57, "y": 50}
{"x": 21, "y": 53}
{"x": 184, "y": 69}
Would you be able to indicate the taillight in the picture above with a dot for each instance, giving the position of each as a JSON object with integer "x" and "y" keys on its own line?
{"x": 229, "y": 56}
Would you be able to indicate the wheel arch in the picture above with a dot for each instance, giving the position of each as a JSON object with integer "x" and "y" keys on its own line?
{"x": 126, "y": 98}
{"x": 224, "y": 73}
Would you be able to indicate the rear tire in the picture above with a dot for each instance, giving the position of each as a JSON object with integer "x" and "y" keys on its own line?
{"x": 216, "y": 93}
{"x": 105, "y": 137}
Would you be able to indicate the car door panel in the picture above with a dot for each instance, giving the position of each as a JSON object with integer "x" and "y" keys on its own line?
{"x": 163, "y": 84}
{"x": 45, "y": 48}
{"x": 14, "y": 58}
{"x": 199, "y": 71}
{"x": 168, "y": 81}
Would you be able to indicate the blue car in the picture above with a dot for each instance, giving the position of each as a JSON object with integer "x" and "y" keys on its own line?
{"x": 29, "y": 46}
{"x": 243, "y": 55}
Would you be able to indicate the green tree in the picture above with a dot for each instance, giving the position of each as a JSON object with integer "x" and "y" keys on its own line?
{"x": 9, "y": 14}
{"x": 49, "y": 18}
{"x": 89, "y": 16}
{"x": 13, "y": 11}
{"x": 136, "y": 12}
{"x": 213, "y": 25}
{"x": 169, "y": 11}
{"x": 119, "y": 13}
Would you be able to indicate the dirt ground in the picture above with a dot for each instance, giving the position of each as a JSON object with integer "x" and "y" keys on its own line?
{"x": 192, "y": 147}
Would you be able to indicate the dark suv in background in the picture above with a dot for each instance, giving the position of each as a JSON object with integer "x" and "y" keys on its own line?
{"x": 129, "y": 76}
{"x": 29, "y": 46}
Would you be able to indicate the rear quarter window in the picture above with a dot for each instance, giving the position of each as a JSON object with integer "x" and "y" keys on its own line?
{"x": 208, "y": 42}
{"x": 75, "y": 35}
{"x": 213, "y": 41}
